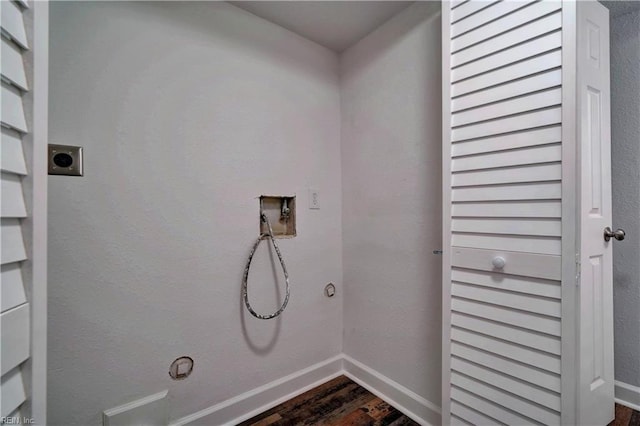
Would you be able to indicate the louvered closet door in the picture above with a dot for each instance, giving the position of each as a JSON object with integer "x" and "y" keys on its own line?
{"x": 503, "y": 159}
{"x": 23, "y": 212}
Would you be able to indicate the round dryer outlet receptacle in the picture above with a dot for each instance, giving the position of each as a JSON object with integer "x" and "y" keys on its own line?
{"x": 181, "y": 368}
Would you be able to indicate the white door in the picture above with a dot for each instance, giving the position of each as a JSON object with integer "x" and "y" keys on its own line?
{"x": 527, "y": 186}
{"x": 595, "y": 321}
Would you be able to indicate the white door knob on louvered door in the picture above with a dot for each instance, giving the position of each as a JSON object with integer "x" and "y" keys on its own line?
{"x": 498, "y": 262}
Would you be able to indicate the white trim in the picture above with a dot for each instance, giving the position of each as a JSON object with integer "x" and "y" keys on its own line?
{"x": 249, "y": 404}
{"x": 627, "y": 395}
{"x": 570, "y": 214}
{"x": 135, "y": 404}
{"x": 39, "y": 139}
{"x": 408, "y": 402}
{"x": 446, "y": 213}
{"x": 137, "y": 411}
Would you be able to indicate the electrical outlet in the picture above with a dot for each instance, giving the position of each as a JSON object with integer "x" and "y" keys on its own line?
{"x": 314, "y": 199}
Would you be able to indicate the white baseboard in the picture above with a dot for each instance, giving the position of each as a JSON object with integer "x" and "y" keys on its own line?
{"x": 151, "y": 409}
{"x": 627, "y": 395}
{"x": 410, "y": 403}
{"x": 263, "y": 398}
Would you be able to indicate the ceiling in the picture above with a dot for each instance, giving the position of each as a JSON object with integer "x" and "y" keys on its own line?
{"x": 336, "y": 25}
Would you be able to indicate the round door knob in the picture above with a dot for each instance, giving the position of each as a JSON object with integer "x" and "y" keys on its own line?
{"x": 618, "y": 234}
{"x": 498, "y": 262}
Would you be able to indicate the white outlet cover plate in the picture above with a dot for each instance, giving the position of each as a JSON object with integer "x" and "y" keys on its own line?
{"x": 314, "y": 199}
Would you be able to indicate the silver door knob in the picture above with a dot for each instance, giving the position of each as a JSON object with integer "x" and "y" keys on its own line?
{"x": 618, "y": 234}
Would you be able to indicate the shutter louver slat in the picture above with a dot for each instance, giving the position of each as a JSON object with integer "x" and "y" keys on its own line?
{"x": 12, "y": 155}
{"x": 502, "y": 25}
{"x": 516, "y": 283}
{"x": 463, "y": 415}
{"x": 12, "y": 198}
{"x": 522, "y": 139}
{"x": 508, "y": 299}
{"x": 472, "y": 408}
{"x": 13, "y": 23}
{"x": 541, "y": 227}
{"x": 524, "y": 372}
{"x": 485, "y": 16}
{"x": 515, "y": 352}
{"x": 507, "y": 400}
{"x": 509, "y": 107}
{"x": 12, "y": 393}
{"x": 519, "y": 191}
{"x": 457, "y": 3}
{"x": 469, "y": 8}
{"x": 506, "y": 40}
{"x": 509, "y": 56}
{"x": 13, "y": 249}
{"x": 537, "y": 341}
{"x": 13, "y": 293}
{"x": 546, "y": 398}
{"x": 12, "y": 65}
{"x": 520, "y": 157}
{"x": 507, "y": 125}
{"x": 528, "y": 244}
{"x": 15, "y": 337}
{"x": 527, "y": 173}
{"x": 507, "y": 315}
{"x": 12, "y": 109}
{"x": 535, "y": 83}
{"x": 511, "y": 73}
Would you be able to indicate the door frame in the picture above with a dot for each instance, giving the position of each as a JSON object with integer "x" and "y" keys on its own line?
{"x": 570, "y": 215}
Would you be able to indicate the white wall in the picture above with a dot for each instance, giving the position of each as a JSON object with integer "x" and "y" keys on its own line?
{"x": 187, "y": 113}
{"x": 625, "y": 150}
{"x": 391, "y": 166}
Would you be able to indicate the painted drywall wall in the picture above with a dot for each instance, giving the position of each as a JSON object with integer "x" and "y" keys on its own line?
{"x": 187, "y": 112}
{"x": 625, "y": 153}
{"x": 391, "y": 165}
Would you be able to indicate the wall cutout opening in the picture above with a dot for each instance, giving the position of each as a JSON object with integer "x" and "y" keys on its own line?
{"x": 281, "y": 212}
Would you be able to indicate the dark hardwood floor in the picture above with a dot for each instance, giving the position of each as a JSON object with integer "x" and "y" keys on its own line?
{"x": 341, "y": 402}
{"x": 625, "y": 416}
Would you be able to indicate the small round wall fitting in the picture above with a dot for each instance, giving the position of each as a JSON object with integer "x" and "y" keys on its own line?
{"x": 181, "y": 368}
{"x": 330, "y": 290}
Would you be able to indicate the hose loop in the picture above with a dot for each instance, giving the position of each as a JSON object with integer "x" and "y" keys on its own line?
{"x": 245, "y": 291}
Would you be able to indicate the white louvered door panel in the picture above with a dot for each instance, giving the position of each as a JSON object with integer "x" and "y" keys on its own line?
{"x": 526, "y": 179}
{"x": 503, "y": 162}
{"x": 23, "y": 211}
